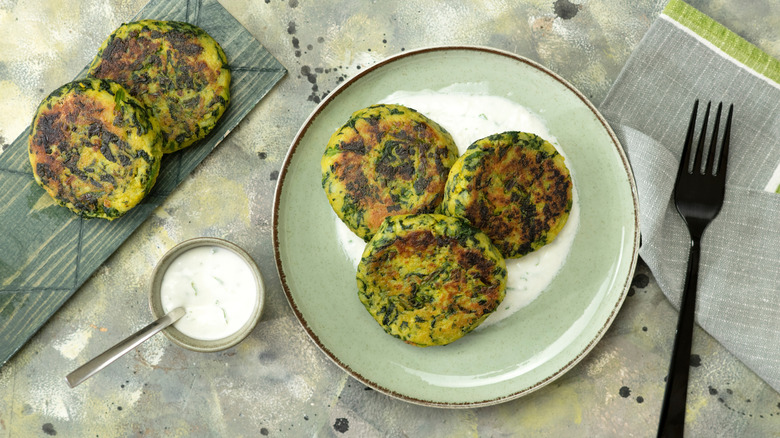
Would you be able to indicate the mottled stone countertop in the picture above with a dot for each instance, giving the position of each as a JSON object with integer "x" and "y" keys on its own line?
{"x": 277, "y": 382}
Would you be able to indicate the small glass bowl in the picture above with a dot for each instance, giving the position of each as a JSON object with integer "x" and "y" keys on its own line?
{"x": 179, "y": 338}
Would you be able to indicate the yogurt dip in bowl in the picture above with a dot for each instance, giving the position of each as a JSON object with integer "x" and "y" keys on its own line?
{"x": 220, "y": 287}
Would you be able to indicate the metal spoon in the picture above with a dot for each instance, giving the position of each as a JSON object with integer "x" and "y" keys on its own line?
{"x": 86, "y": 371}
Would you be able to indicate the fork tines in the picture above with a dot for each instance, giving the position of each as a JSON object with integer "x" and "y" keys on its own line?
{"x": 711, "y": 154}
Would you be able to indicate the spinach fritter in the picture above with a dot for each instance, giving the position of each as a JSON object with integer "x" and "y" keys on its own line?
{"x": 94, "y": 148}
{"x": 178, "y": 70}
{"x": 515, "y": 187}
{"x": 386, "y": 160}
{"x": 429, "y": 279}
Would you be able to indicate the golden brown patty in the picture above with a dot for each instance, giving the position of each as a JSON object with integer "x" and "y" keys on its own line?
{"x": 176, "y": 69}
{"x": 386, "y": 160}
{"x": 513, "y": 186}
{"x": 429, "y": 279}
{"x": 95, "y": 148}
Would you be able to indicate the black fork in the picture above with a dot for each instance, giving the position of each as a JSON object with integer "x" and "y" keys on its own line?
{"x": 698, "y": 196}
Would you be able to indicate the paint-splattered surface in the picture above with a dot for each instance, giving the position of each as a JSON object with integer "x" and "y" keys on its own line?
{"x": 277, "y": 383}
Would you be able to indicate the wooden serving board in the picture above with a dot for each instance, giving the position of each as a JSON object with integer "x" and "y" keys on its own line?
{"x": 47, "y": 252}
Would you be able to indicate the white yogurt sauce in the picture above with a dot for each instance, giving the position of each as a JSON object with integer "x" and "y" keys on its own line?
{"x": 468, "y": 113}
{"x": 215, "y": 286}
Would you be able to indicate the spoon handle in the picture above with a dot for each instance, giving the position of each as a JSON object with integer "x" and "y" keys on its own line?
{"x": 86, "y": 371}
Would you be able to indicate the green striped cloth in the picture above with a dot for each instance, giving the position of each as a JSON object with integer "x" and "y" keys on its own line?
{"x": 732, "y": 46}
{"x": 685, "y": 56}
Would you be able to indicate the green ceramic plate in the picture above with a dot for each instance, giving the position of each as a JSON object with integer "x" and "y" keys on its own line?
{"x": 521, "y": 353}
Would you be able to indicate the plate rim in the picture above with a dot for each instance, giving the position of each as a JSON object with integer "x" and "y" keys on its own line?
{"x": 449, "y": 48}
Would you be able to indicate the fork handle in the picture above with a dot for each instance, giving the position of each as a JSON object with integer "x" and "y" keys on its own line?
{"x": 672, "y": 423}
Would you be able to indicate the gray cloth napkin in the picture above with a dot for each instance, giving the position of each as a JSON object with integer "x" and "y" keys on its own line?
{"x": 686, "y": 56}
